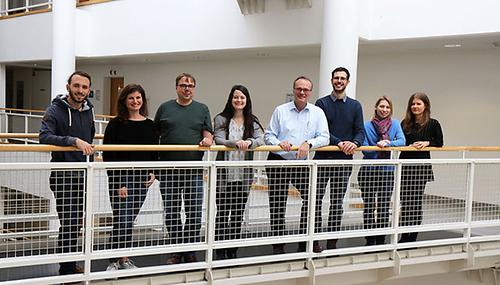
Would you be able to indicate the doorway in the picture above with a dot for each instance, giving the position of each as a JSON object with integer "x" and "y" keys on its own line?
{"x": 116, "y": 85}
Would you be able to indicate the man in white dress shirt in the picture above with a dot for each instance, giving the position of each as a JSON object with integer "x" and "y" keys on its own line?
{"x": 298, "y": 123}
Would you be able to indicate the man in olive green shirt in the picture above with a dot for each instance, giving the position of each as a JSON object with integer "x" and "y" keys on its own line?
{"x": 183, "y": 121}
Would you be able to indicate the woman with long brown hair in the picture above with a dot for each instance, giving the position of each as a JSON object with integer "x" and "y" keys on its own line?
{"x": 420, "y": 131}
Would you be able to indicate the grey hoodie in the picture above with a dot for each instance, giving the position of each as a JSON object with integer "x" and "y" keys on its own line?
{"x": 62, "y": 125}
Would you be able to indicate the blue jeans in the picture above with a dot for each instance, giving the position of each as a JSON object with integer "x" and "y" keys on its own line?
{"x": 126, "y": 209}
{"x": 178, "y": 185}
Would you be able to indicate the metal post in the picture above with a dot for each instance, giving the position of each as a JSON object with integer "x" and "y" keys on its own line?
{"x": 88, "y": 233}
{"x": 395, "y": 205}
{"x": 469, "y": 200}
{"x": 211, "y": 213}
{"x": 312, "y": 207}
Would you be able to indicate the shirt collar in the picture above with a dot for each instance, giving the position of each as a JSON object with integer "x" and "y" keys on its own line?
{"x": 334, "y": 98}
{"x": 294, "y": 108}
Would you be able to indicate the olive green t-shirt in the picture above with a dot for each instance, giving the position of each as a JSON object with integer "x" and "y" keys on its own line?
{"x": 179, "y": 124}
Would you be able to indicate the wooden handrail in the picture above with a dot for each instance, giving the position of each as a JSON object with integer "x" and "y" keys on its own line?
{"x": 43, "y": 111}
{"x": 90, "y": 2}
{"x": 33, "y": 136}
{"x": 46, "y": 148}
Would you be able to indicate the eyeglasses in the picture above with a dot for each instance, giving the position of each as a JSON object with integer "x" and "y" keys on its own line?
{"x": 338, "y": 78}
{"x": 300, "y": 90}
{"x": 186, "y": 86}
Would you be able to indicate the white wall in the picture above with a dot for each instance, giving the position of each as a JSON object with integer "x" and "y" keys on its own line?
{"x": 268, "y": 80}
{"x": 26, "y": 38}
{"x": 463, "y": 88}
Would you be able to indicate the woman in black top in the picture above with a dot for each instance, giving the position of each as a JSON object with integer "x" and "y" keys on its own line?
{"x": 420, "y": 131}
{"x": 128, "y": 187}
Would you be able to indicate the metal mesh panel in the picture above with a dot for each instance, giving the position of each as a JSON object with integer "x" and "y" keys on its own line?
{"x": 35, "y": 204}
{"x": 25, "y": 156}
{"x": 121, "y": 215}
{"x": 233, "y": 187}
{"x": 376, "y": 183}
{"x": 332, "y": 184}
{"x": 288, "y": 185}
{"x": 169, "y": 211}
{"x": 68, "y": 187}
{"x": 486, "y": 198}
{"x": 433, "y": 194}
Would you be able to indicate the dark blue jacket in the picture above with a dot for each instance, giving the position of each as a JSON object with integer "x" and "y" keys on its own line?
{"x": 62, "y": 125}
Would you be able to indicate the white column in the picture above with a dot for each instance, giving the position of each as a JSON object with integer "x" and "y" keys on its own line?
{"x": 63, "y": 44}
{"x": 3, "y": 84}
{"x": 339, "y": 46}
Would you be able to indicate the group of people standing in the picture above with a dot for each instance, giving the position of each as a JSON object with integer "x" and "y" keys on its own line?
{"x": 334, "y": 120}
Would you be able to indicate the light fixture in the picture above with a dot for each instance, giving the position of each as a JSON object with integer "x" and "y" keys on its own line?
{"x": 452, "y": 45}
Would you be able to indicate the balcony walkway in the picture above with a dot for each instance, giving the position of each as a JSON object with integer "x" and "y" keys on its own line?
{"x": 460, "y": 229}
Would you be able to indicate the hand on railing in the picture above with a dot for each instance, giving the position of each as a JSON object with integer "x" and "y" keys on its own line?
{"x": 347, "y": 147}
{"x": 420, "y": 144}
{"x": 84, "y": 146}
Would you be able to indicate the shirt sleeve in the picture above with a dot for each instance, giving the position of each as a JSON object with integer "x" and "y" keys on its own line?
{"x": 437, "y": 134}
{"x": 48, "y": 129}
{"x": 273, "y": 130}
{"x": 220, "y": 132}
{"x": 258, "y": 136}
{"x": 322, "y": 135}
{"x": 332, "y": 138}
{"x": 399, "y": 139}
{"x": 359, "y": 130}
{"x": 207, "y": 122}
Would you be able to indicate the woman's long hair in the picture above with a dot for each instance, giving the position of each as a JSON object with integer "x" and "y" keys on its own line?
{"x": 248, "y": 117}
{"x": 123, "y": 114}
{"x": 410, "y": 121}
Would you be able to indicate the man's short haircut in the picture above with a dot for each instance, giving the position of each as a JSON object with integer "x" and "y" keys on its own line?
{"x": 80, "y": 73}
{"x": 305, "y": 78}
{"x": 340, "y": 69}
{"x": 182, "y": 75}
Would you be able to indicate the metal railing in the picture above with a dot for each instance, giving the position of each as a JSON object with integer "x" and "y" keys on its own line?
{"x": 460, "y": 208}
{"x": 22, "y": 125}
{"x": 23, "y": 6}
{"x": 9, "y": 8}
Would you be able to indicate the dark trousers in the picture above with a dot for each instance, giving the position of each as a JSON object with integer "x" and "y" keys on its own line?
{"x": 231, "y": 200}
{"x": 68, "y": 187}
{"x": 279, "y": 178}
{"x": 411, "y": 197}
{"x": 178, "y": 185}
{"x": 376, "y": 189}
{"x": 339, "y": 178}
{"x": 126, "y": 209}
